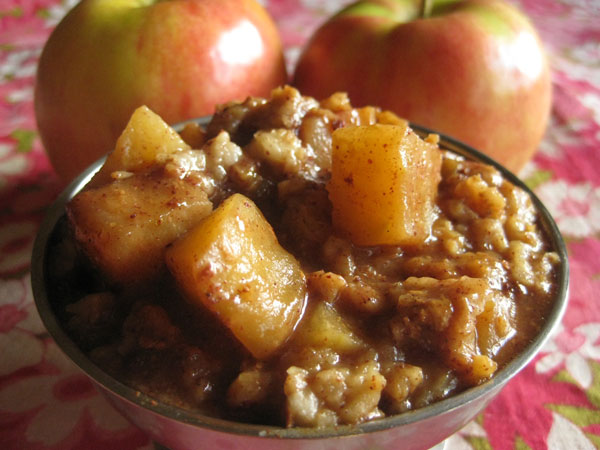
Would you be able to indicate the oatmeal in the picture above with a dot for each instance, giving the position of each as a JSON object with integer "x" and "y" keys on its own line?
{"x": 299, "y": 263}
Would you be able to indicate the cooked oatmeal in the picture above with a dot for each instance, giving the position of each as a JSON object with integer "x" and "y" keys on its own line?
{"x": 238, "y": 271}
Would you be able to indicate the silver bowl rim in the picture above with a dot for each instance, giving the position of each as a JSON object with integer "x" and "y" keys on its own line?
{"x": 131, "y": 395}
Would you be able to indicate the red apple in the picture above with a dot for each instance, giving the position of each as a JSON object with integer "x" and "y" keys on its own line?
{"x": 473, "y": 69}
{"x": 178, "y": 57}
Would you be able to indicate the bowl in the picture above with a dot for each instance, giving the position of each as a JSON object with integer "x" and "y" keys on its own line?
{"x": 177, "y": 428}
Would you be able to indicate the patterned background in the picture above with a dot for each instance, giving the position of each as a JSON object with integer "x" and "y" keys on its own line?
{"x": 45, "y": 403}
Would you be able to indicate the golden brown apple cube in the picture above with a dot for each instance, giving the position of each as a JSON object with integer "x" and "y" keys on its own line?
{"x": 124, "y": 226}
{"x": 146, "y": 141}
{"x": 383, "y": 184}
{"x": 326, "y": 328}
{"x": 233, "y": 265}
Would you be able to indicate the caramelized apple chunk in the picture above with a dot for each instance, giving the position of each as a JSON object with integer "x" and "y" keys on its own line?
{"x": 232, "y": 264}
{"x": 326, "y": 328}
{"x": 124, "y": 226}
{"x": 146, "y": 141}
{"x": 385, "y": 173}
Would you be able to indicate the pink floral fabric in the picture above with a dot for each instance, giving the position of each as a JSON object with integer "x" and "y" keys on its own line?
{"x": 46, "y": 403}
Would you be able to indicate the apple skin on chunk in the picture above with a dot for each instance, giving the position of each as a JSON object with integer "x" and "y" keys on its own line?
{"x": 232, "y": 264}
{"x": 383, "y": 186}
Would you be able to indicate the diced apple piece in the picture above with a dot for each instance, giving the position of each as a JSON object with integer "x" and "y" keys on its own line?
{"x": 232, "y": 264}
{"x": 325, "y": 328}
{"x": 383, "y": 184}
{"x": 124, "y": 226}
{"x": 147, "y": 140}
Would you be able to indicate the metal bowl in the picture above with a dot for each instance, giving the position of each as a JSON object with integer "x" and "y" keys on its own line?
{"x": 178, "y": 429}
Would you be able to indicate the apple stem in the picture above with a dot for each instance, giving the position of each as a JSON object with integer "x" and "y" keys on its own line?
{"x": 426, "y": 6}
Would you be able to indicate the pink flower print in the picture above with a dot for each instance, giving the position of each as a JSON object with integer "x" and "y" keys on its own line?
{"x": 20, "y": 25}
{"x": 19, "y": 326}
{"x": 61, "y": 407}
{"x": 18, "y": 64}
{"x": 572, "y": 348}
{"x": 547, "y": 7}
{"x": 16, "y": 244}
{"x": 10, "y": 315}
{"x": 558, "y": 135}
{"x": 575, "y": 207}
{"x": 11, "y": 163}
{"x": 522, "y": 407}
{"x": 19, "y": 350}
{"x": 57, "y": 10}
{"x": 584, "y": 284}
{"x": 325, "y": 9}
{"x": 592, "y": 101}
{"x": 586, "y": 252}
{"x": 575, "y": 62}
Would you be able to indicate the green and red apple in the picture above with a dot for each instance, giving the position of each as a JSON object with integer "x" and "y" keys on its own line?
{"x": 473, "y": 69}
{"x": 178, "y": 57}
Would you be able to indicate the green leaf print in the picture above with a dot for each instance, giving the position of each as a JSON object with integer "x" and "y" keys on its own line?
{"x": 579, "y": 415}
{"x": 520, "y": 444}
{"x": 593, "y": 393}
{"x": 43, "y": 13}
{"x": 538, "y": 177}
{"x": 17, "y": 12}
{"x": 480, "y": 419}
{"x": 478, "y": 442}
{"x": 24, "y": 139}
{"x": 565, "y": 377}
{"x": 595, "y": 439}
{"x": 582, "y": 416}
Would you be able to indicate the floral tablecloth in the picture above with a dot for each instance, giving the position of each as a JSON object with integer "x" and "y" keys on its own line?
{"x": 45, "y": 403}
